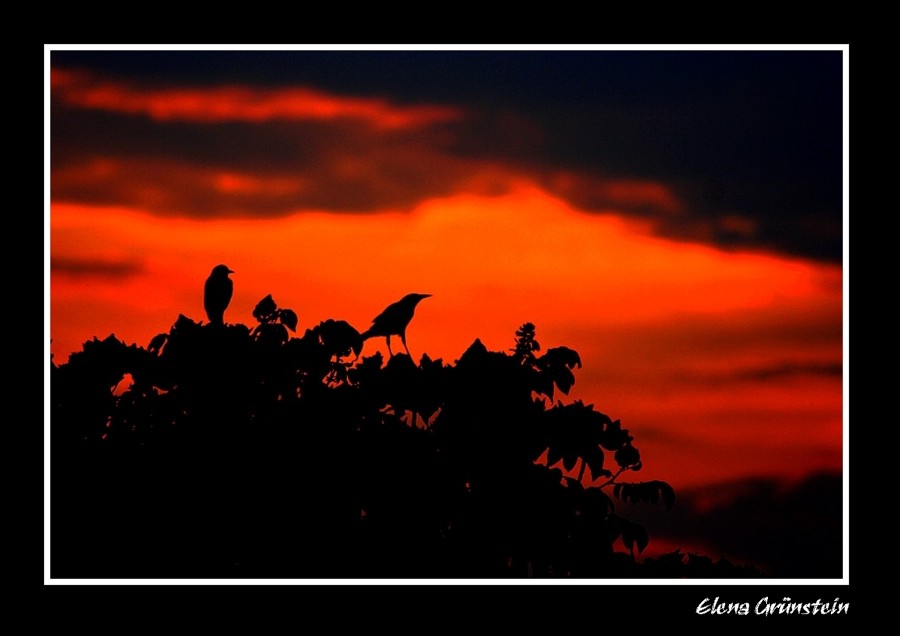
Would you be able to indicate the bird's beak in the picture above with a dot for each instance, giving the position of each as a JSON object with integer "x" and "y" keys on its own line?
{"x": 425, "y": 295}
{"x": 231, "y": 271}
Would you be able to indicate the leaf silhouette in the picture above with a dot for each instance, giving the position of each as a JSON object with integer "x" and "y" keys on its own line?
{"x": 543, "y": 384}
{"x": 562, "y": 356}
{"x": 634, "y": 533}
{"x": 288, "y": 318}
{"x": 157, "y": 342}
{"x": 668, "y": 494}
{"x": 614, "y": 436}
{"x": 601, "y": 498}
{"x": 594, "y": 458}
{"x": 564, "y": 379}
{"x": 553, "y": 456}
{"x": 264, "y": 308}
{"x": 627, "y": 456}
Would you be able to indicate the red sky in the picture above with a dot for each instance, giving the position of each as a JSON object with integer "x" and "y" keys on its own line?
{"x": 718, "y": 362}
{"x": 722, "y": 359}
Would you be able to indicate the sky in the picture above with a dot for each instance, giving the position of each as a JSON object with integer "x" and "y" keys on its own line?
{"x": 676, "y": 217}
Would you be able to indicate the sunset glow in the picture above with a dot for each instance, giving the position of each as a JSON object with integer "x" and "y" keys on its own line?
{"x": 706, "y": 319}
{"x": 694, "y": 348}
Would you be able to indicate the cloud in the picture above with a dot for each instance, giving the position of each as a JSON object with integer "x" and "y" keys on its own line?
{"x": 772, "y": 371}
{"x": 831, "y": 369}
{"x": 94, "y": 268}
{"x": 80, "y": 89}
{"x": 738, "y": 166}
{"x": 396, "y": 174}
{"x": 277, "y": 169}
{"x": 636, "y": 196}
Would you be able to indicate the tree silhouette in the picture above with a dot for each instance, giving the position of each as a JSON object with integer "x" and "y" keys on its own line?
{"x": 246, "y": 452}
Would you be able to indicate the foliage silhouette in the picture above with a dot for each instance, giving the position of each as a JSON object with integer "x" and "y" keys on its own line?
{"x": 239, "y": 452}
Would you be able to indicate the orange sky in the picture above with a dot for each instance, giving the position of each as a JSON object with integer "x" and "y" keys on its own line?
{"x": 672, "y": 218}
{"x": 719, "y": 363}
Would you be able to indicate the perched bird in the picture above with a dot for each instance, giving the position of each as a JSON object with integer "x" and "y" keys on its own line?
{"x": 394, "y": 320}
{"x": 217, "y": 293}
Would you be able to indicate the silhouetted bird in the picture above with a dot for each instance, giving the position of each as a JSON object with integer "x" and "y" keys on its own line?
{"x": 394, "y": 320}
{"x": 217, "y": 293}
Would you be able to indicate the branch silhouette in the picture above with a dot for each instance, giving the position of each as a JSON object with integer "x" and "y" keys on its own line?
{"x": 248, "y": 452}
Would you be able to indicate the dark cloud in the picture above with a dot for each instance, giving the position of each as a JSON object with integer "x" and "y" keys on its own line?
{"x": 748, "y": 145}
{"x": 834, "y": 369}
{"x": 77, "y": 267}
{"x": 177, "y": 169}
{"x": 776, "y": 373}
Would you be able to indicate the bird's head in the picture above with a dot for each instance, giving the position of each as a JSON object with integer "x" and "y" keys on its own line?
{"x": 222, "y": 270}
{"x": 413, "y": 299}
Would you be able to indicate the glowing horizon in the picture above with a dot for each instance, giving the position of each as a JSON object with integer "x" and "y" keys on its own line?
{"x": 701, "y": 352}
{"x": 675, "y": 217}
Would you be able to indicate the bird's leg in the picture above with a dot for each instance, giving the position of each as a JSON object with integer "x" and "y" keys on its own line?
{"x": 389, "y": 346}
{"x": 403, "y": 340}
